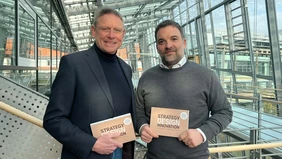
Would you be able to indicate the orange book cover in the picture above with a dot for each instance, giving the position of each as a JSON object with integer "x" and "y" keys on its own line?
{"x": 121, "y": 124}
{"x": 169, "y": 122}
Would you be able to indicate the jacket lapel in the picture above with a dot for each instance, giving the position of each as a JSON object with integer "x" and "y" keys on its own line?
{"x": 127, "y": 73}
{"x": 95, "y": 65}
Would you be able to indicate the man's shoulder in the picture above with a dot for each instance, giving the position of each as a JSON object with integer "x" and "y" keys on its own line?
{"x": 152, "y": 69}
{"x": 77, "y": 54}
{"x": 122, "y": 61}
{"x": 150, "y": 72}
{"x": 198, "y": 68}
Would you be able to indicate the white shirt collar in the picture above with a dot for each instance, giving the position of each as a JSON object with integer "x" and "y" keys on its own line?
{"x": 178, "y": 65}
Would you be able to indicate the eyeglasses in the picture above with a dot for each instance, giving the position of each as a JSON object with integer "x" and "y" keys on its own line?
{"x": 115, "y": 30}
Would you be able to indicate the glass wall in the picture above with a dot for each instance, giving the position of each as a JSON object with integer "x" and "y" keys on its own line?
{"x": 7, "y": 32}
{"x": 239, "y": 48}
{"x": 33, "y": 43}
{"x": 26, "y": 37}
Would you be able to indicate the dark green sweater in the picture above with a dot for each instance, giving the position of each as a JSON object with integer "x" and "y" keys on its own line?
{"x": 191, "y": 87}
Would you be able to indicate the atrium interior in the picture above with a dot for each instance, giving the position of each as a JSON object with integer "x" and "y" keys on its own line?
{"x": 240, "y": 40}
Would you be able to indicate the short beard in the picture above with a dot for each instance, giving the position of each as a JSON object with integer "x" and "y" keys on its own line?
{"x": 168, "y": 63}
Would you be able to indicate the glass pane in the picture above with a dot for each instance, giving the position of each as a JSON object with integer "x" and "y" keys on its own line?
{"x": 43, "y": 10}
{"x": 242, "y": 62}
{"x": 54, "y": 57}
{"x": 221, "y": 38}
{"x": 193, "y": 11}
{"x": 244, "y": 85}
{"x": 279, "y": 20}
{"x": 225, "y": 78}
{"x": 7, "y": 32}
{"x": 191, "y": 3}
{"x": 207, "y": 4}
{"x": 194, "y": 35}
{"x": 44, "y": 63}
{"x": 177, "y": 19}
{"x": 208, "y": 26}
{"x": 27, "y": 39}
{"x": 263, "y": 65}
{"x": 187, "y": 35}
{"x": 184, "y": 17}
{"x": 259, "y": 31}
{"x": 176, "y": 11}
{"x": 211, "y": 3}
{"x": 223, "y": 59}
{"x": 24, "y": 77}
{"x": 183, "y": 12}
{"x": 183, "y": 6}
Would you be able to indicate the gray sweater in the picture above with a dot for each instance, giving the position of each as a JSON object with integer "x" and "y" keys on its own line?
{"x": 191, "y": 87}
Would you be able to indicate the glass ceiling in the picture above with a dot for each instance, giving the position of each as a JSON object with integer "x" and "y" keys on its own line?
{"x": 137, "y": 14}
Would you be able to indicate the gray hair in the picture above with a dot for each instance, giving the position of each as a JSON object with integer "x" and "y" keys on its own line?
{"x": 104, "y": 11}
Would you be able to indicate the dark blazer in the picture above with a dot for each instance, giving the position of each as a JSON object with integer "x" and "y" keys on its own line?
{"x": 80, "y": 95}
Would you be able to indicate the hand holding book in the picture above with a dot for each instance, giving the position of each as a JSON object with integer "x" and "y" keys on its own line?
{"x": 169, "y": 122}
{"x": 121, "y": 124}
{"x": 192, "y": 138}
{"x": 147, "y": 134}
{"x": 106, "y": 144}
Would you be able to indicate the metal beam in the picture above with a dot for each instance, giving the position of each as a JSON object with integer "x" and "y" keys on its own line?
{"x": 133, "y": 21}
{"x": 60, "y": 11}
{"x": 275, "y": 50}
{"x": 140, "y": 10}
{"x": 116, "y": 5}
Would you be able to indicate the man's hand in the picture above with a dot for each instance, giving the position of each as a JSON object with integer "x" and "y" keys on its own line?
{"x": 192, "y": 138}
{"x": 147, "y": 134}
{"x": 105, "y": 144}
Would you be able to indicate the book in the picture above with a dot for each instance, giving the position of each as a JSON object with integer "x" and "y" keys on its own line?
{"x": 169, "y": 122}
{"x": 121, "y": 124}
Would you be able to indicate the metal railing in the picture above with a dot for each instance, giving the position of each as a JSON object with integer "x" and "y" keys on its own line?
{"x": 213, "y": 150}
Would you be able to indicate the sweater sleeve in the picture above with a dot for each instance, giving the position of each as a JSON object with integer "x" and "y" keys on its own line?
{"x": 140, "y": 105}
{"x": 220, "y": 109}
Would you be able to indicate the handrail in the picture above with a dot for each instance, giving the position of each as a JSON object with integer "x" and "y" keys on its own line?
{"x": 253, "y": 98}
{"x": 244, "y": 147}
{"x": 21, "y": 114}
{"x": 38, "y": 122}
{"x": 271, "y": 89}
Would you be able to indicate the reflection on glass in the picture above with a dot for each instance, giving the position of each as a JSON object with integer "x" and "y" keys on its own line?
{"x": 209, "y": 31}
{"x": 242, "y": 62}
{"x": 225, "y": 78}
{"x": 188, "y": 41}
{"x": 259, "y": 31}
{"x": 194, "y": 36}
{"x": 58, "y": 55}
{"x": 263, "y": 64}
{"x": 27, "y": 39}
{"x": 7, "y": 32}
{"x": 24, "y": 77}
{"x": 43, "y": 10}
{"x": 244, "y": 85}
{"x": 44, "y": 52}
{"x": 221, "y": 38}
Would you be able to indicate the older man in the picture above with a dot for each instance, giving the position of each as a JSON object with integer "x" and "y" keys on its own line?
{"x": 91, "y": 86}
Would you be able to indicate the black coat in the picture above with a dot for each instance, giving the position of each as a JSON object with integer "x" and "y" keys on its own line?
{"x": 80, "y": 95}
